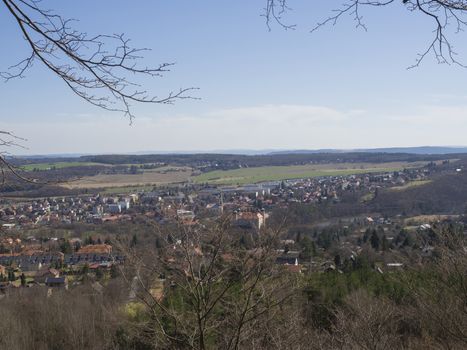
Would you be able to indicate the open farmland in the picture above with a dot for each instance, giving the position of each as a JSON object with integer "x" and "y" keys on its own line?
{"x": 411, "y": 184}
{"x": 160, "y": 176}
{"x": 57, "y": 165}
{"x": 276, "y": 173}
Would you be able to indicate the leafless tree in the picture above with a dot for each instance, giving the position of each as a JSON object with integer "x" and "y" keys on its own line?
{"x": 366, "y": 322}
{"x": 10, "y": 172}
{"x": 448, "y": 17}
{"x": 441, "y": 300}
{"x": 7, "y": 140}
{"x": 101, "y": 69}
{"x": 201, "y": 288}
{"x": 77, "y": 319}
{"x": 274, "y": 11}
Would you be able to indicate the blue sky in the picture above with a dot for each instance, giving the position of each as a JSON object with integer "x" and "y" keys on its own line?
{"x": 339, "y": 87}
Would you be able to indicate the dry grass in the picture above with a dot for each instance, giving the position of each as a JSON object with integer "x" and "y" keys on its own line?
{"x": 170, "y": 175}
{"x": 423, "y": 219}
{"x": 411, "y": 185}
{"x": 160, "y": 176}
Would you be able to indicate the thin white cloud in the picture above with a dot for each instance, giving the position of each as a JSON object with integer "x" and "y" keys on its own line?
{"x": 434, "y": 115}
{"x": 260, "y": 127}
{"x": 282, "y": 113}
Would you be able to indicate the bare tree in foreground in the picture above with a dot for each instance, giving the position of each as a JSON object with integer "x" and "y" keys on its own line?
{"x": 441, "y": 299}
{"x": 7, "y": 140}
{"x": 101, "y": 69}
{"x": 203, "y": 290}
{"x": 448, "y": 17}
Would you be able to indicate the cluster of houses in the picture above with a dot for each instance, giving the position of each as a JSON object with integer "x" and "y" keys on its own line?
{"x": 64, "y": 210}
{"x": 247, "y": 202}
{"x": 35, "y": 267}
{"x": 254, "y": 199}
{"x": 249, "y": 207}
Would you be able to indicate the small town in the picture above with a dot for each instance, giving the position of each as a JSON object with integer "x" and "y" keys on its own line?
{"x": 49, "y": 261}
{"x": 235, "y": 175}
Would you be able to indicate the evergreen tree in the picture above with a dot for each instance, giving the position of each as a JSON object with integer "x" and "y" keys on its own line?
{"x": 366, "y": 236}
{"x": 3, "y": 249}
{"x": 99, "y": 274}
{"x": 385, "y": 244}
{"x": 66, "y": 247}
{"x": 77, "y": 246}
{"x": 23, "y": 280}
{"x": 374, "y": 240}
{"x": 170, "y": 239}
{"x": 299, "y": 237}
{"x": 114, "y": 272}
{"x": 308, "y": 248}
{"x": 337, "y": 260}
{"x": 159, "y": 243}
{"x": 11, "y": 276}
{"x": 134, "y": 241}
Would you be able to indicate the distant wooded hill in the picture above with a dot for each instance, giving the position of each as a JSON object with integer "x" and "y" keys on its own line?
{"x": 232, "y": 161}
{"x": 411, "y": 150}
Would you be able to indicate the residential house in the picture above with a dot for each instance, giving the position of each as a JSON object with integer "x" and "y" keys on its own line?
{"x": 56, "y": 282}
{"x": 43, "y": 274}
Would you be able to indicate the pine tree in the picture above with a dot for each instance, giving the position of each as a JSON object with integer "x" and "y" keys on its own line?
{"x": 66, "y": 247}
{"x": 366, "y": 235}
{"x": 337, "y": 260}
{"x": 23, "y": 280}
{"x": 89, "y": 241}
{"x": 114, "y": 273}
{"x": 134, "y": 241}
{"x": 374, "y": 240}
{"x": 158, "y": 243}
{"x": 385, "y": 244}
{"x": 299, "y": 237}
{"x": 77, "y": 246}
{"x": 99, "y": 274}
{"x": 11, "y": 276}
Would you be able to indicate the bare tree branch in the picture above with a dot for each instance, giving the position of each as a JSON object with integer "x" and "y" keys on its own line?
{"x": 448, "y": 17}
{"x": 8, "y": 139}
{"x": 100, "y": 69}
{"x": 274, "y": 11}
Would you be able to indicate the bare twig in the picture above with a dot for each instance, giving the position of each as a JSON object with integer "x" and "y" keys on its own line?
{"x": 447, "y": 16}
{"x": 100, "y": 69}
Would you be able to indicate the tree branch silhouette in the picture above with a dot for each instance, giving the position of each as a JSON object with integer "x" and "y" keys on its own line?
{"x": 100, "y": 69}
{"x": 448, "y": 17}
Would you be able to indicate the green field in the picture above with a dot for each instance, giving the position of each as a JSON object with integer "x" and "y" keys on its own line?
{"x": 56, "y": 165}
{"x": 275, "y": 173}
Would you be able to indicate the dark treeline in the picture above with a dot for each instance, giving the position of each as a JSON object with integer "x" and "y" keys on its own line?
{"x": 226, "y": 160}
{"x": 235, "y": 160}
